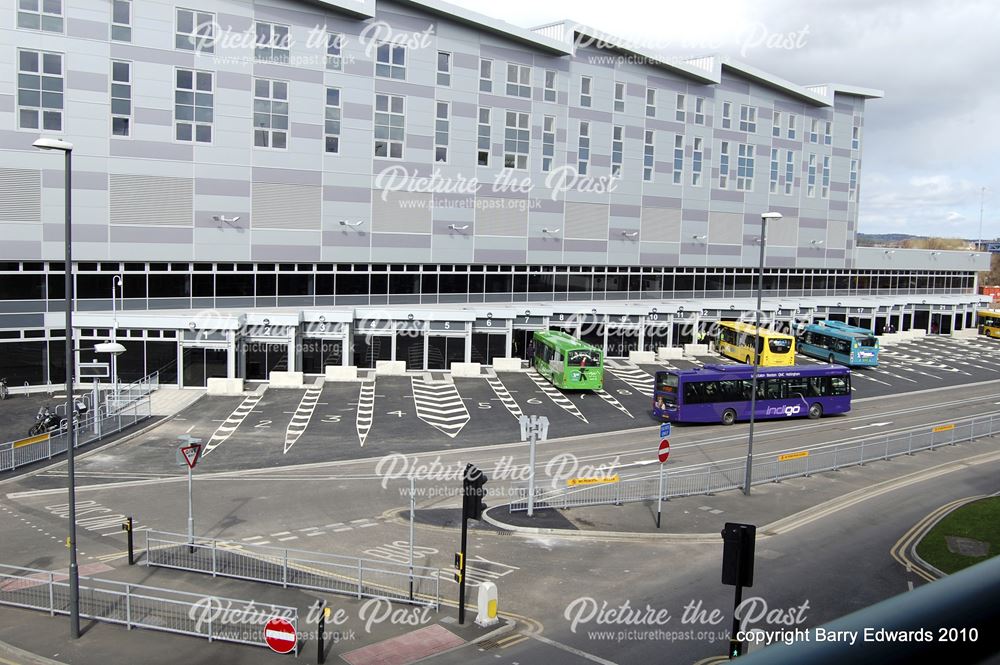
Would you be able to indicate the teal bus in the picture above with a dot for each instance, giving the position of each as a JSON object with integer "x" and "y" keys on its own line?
{"x": 568, "y": 363}
{"x": 837, "y": 342}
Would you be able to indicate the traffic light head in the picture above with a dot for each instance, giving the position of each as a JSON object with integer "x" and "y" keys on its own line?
{"x": 473, "y": 493}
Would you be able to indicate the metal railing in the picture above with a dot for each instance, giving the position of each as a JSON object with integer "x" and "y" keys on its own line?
{"x": 769, "y": 467}
{"x": 96, "y": 424}
{"x": 350, "y": 576}
{"x": 140, "y": 606}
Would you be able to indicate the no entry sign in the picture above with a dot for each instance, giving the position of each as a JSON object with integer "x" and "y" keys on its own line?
{"x": 280, "y": 635}
{"x": 664, "y": 451}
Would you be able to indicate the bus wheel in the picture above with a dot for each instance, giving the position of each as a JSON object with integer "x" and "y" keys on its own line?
{"x": 829, "y": 359}
{"x": 728, "y": 417}
{"x": 815, "y": 411}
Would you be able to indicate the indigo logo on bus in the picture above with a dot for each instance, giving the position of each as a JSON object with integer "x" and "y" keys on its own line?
{"x": 786, "y": 410}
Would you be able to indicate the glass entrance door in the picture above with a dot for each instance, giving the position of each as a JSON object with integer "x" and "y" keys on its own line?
{"x": 200, "y": 365}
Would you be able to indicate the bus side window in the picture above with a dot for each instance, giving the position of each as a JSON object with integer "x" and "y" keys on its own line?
{"x": 815, "y": 386}
{"x": 840, "y": 385}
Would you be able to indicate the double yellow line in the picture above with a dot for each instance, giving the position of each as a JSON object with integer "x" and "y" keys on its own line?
{"x": 906, "y": 545}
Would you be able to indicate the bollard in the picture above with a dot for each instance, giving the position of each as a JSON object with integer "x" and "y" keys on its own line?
{"x": 321, "y": 649}
{"x": 127, "y": 528}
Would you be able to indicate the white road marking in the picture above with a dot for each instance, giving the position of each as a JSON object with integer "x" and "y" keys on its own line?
{"x": 505, "y": 397}
{"x": 872, "y": 425}
{"x": 235, "y": 419}
{"x": 555, "y": 395}
{"x": 440, "y": 406}
{"x": 366, "y": 410}
{"x": 303, "y": 414}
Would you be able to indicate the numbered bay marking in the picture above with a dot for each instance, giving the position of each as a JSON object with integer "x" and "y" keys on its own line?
{"x": 553, "y": 394}
{"x": 634, "y": 376}
{"x": 505, "y": 397}
{"x": 603, "y": 394}
{"x": 303, "y": 414}
{"x": 366, "y": 410}
{"x": 439, "y": 405}
{"x": 234, "y": 420}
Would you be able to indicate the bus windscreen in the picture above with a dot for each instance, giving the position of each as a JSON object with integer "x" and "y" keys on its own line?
{"x": 780, "y": 345}
{"x": 583, "y": 358}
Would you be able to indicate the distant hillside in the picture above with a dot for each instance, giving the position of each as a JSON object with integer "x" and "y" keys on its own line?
{"x": 879, "y": 239}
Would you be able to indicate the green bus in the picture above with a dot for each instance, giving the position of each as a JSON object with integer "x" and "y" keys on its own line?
{"x": 568, "y": 363}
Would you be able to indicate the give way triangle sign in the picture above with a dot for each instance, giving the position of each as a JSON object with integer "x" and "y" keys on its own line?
{"x": 191, "y": 454}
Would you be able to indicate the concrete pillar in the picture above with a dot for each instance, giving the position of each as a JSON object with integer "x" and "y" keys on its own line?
{"x": 231, "y": 356}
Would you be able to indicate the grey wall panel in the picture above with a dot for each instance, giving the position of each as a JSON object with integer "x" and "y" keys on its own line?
{"x": 285, "y": 252}
{"x": 152, "y": 150}
{"x": 401, "y": 212}
{"x": 496, "y": 217}
{"x": 725, "y": 228}
{"x": 152, "y": 235}
{"x": 84, "y": 29}
{"x": 660, "y": 225}
{"x": 586, "y": 220}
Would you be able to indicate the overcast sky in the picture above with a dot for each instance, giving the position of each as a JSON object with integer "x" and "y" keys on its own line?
{"x": 930, "y": 144}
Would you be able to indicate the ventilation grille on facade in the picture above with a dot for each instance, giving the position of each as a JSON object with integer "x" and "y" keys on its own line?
{"x": 143, "y": 200}
{"x": 587, "y": 220}
{"x": 21, "y": 194}
{"x": 401, "y": 212}
{"x": 280, "y": 206}
{"x": 661, "y": 224}
{"x": 502, "y": 217}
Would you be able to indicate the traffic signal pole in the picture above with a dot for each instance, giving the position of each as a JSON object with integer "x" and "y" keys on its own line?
{"x": 461, "y": 569}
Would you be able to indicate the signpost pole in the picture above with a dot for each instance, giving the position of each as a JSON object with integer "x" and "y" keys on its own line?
{"x": 532, "y": 438}
{"x": 412, "y": 501}
{"x": 659, "y": 497}
{"x": 190, "y": 511}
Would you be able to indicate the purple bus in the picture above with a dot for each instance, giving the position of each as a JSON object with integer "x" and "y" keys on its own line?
{"x": 721, "y": 393}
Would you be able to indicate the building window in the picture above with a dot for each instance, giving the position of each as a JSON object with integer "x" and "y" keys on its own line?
{"x": 121, "y": 20}
{"x": 776, "y": 125}
{"x": 193, "y": 106}
{"x": 678, "y": 159}
{"x": 727, "y": 115}
{"x": 791, "y": 126}
{"x": 855, "y": 138}
{"x": 811, "y": 176}
{"x": 516, "y": 140}
{"x": 389, "y": 126}
{"x": 828, "y": 133}
{"x": 39, "y": 90}
{"x": 647, "y": 156}
{"x": 483, "y": 156}
{"x": 334, "y": 51}
{"x": 814, "y": 130}
{"x": 586, "y": 83}
{"x": 549, "y": 94}
{"x": 270, "y": 113}
{"x": 650, "y": 103}
{"x": 390, "y": 61}
{"x": 724, "y": 165}
{"x": 699, "y": 110}
{"x": 195, "y": 31}
{"x": 697, "y": 159}
{"x": 617, "y": 150}
{"x": 332, "y": 123}
{"x": 679, "y": 114}
{"x": 444, "y": 68}
{"x": 774, "y": 171}
{"x": 583, "y": 154}
{"x": 272, "y": 42}
{"x": 789, "y": 171}
{"x": 853, "y": 185}
{"x": 825, "y": 190}
{"x": 485, "y": 75}
{"x": 748, "y": 119}
{"x": 619, "y": 97}
{"x": 744, "y": 168}
{"x": 441, "y": 129}
{"x": 519, "y": 80}
{"x": 121, "y": 98}
{"x": 548, "y": 141}
{"x": 44, "y": 15}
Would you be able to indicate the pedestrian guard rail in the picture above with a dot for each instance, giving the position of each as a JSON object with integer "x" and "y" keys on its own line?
{"x": 770, "y": 467}
{"x": 350, "y": 576}
{"x": 141, "y": 606}
{"x": 116, "y": 414}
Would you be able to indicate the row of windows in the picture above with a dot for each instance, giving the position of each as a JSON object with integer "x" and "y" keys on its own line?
{"x": 707, "y": 392}
{"x": 207, "y": 285}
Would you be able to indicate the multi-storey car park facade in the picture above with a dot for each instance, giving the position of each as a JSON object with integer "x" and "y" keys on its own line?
{"x": 278, "y": 203}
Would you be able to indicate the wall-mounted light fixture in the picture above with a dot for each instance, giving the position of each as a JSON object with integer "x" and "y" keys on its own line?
{"x": 344, "y": 222}
{"x": 551, "y": 231}
{"x": 630, "y": 234}
{"x": 456, "y": 227}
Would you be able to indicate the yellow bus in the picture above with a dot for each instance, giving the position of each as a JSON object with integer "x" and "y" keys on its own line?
{"x": 988, "y": 321}
{"x": 736, "y": 341}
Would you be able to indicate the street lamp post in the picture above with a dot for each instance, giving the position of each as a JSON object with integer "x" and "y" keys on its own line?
{"x": 74, "y": 573}
{"x": 757, "y": 346}
{"x": 117, "y": 282}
